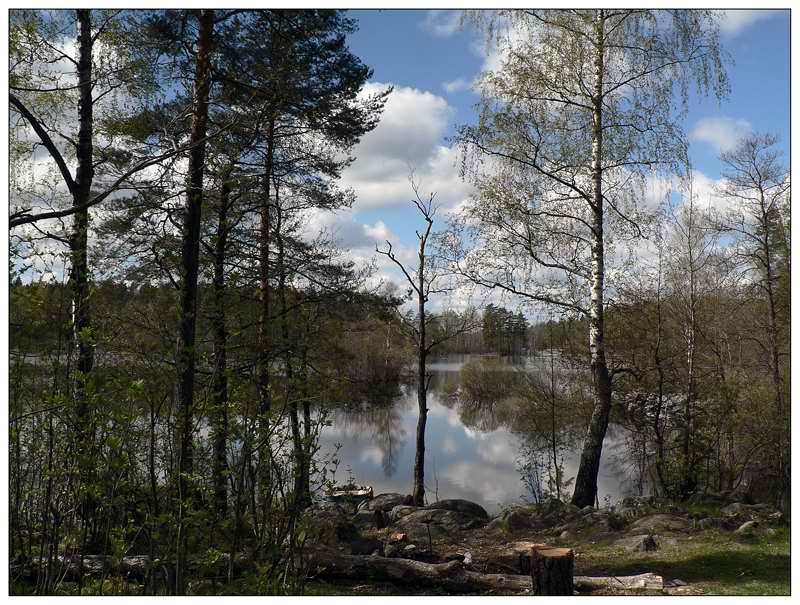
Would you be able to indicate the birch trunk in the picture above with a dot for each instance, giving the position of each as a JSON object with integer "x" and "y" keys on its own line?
{"x": 586, "y": 480}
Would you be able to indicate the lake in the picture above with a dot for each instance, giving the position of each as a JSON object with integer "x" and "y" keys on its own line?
{"x": 466, "y": 458}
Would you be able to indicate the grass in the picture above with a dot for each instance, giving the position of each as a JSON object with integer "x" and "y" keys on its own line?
{"x": 712, "y": 562}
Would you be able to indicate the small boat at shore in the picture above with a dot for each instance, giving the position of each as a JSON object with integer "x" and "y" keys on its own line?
{"x": 349, "y": 492}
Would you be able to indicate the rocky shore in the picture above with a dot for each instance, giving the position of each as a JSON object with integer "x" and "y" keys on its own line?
{"x": 388, "y": 526}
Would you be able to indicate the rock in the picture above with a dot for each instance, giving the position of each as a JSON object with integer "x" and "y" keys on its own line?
{"x": 461, "y": 506}
{"x": 747, "y": 529}
{"x": 678, "y": 582}
{"x": 570, "y": 510}
{"x": 495, "y": 524}
{"x": 440, "y": 522}
{"x": 384, "y": 502}
{"x": 519, "y": 519}
{"x": 364, "y": 519}
{"x": 330, "y": 524}
{"x": 642, "y": 543}
{"x": 566, "y": 535}
{"x": 391, "y": 550}
{"x": 771, "y": 532}
{"x": 707, "y": 523}
{"x": 733, "y": 509}
{"x": 400, "y": 511}
{"x": 658, "y": 523}
{"x": 776, "y": 517}
{"x": 410, "y": 549}
{"x": 587, "y": 510}
{"x": 366, "y": 546}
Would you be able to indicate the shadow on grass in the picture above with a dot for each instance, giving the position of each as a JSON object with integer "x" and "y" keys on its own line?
{"x": 729, "y": 568}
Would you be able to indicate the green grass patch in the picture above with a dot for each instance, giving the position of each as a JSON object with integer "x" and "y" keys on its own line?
{"x": 712, "y": 562}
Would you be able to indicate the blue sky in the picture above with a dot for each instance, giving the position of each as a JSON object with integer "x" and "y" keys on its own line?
{"x": 431, "y": 61}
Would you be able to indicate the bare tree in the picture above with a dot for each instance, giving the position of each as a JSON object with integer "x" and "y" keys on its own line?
{"x": 427, "y": 279}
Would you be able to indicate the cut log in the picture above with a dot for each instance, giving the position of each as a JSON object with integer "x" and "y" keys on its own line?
{"x": 450, "y": 576}
{"x": 521, "y": 555}
{"x": 645, "y": 581}
{"x": 551, "y": 571}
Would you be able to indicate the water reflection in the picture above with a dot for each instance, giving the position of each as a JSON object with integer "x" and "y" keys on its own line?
{"x": 474, "y": 440}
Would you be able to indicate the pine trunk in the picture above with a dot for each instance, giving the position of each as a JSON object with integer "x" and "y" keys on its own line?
{"x": 190, "y": 252}
{"x": 220, "y": 376}
{"x": 79, "y": 273}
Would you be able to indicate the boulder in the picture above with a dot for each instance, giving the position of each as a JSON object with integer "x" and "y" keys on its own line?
{"x": 520, "y": 519}
{"x": 330, "y": 524}
{"x": 658, "y": 523}
{"x": 366, "y": 546}
{"x": 384, "y": 502}
{"x": 747, "y": 529}
{"x": 365, "y": 519}
{"x": 734, "y": 509}
{"x": 641, "y": 543}
{"x": 461, "y": 506}
{"x": 440, "y": 522}
{"x": 587, "y": 510}
{"x": 398, "y": 512}
{"x": 708, "y": 523}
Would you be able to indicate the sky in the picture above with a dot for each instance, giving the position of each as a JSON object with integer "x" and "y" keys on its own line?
{"x": 431, "y": 59}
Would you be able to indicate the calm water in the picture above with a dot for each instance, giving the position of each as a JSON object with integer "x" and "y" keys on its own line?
{"x": 475, "y": 460}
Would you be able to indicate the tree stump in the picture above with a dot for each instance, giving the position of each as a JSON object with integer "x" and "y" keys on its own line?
{"x": 551, "y": 571}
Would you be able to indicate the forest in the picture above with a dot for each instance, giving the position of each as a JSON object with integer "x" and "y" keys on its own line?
{"x": 183, "y": 335}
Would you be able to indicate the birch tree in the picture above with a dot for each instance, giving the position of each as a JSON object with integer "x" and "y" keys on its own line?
{"x": 585, "y": 106}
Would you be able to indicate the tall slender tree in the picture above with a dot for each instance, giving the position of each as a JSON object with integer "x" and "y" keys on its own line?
{"x": 583, "y": 109}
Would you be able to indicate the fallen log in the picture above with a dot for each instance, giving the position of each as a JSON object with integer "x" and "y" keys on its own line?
{"x": 645, "y": 581}
{"x": 453, "y": 576}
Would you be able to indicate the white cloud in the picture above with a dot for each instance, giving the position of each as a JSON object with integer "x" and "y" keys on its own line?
{"x": 722, "y": 133}
{"x": 442, "y": 23}
{"x": 410, "y": 136}
{"x": 457, "y": 85}
{"x": 735, "y": 21}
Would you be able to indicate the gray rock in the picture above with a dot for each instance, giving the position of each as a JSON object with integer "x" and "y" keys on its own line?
{"x": 366, "y": 546}
{"x": 410, "y": 549}
{"x": 398, "y": 512}
{"x": 461, "y": 506}
{"x": 678, "y": 582}
{"x": 642, "y": 543}
{"x": 364, "y": 519}
{"x": 747, "y": 529}
{"x": 384, "y": 502}
{"x": 392, "y": 550}
{"x": 734, "y": 509}
{"x": 658, "y": 523}
{"x": 707, "y": 523}
{"x": 330, "y": 524}
{"x": 566, "y": 535}
{"x": 440, "y": 522}
{"x": 587, "y": 510}
{"x": 519, "y": 519}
